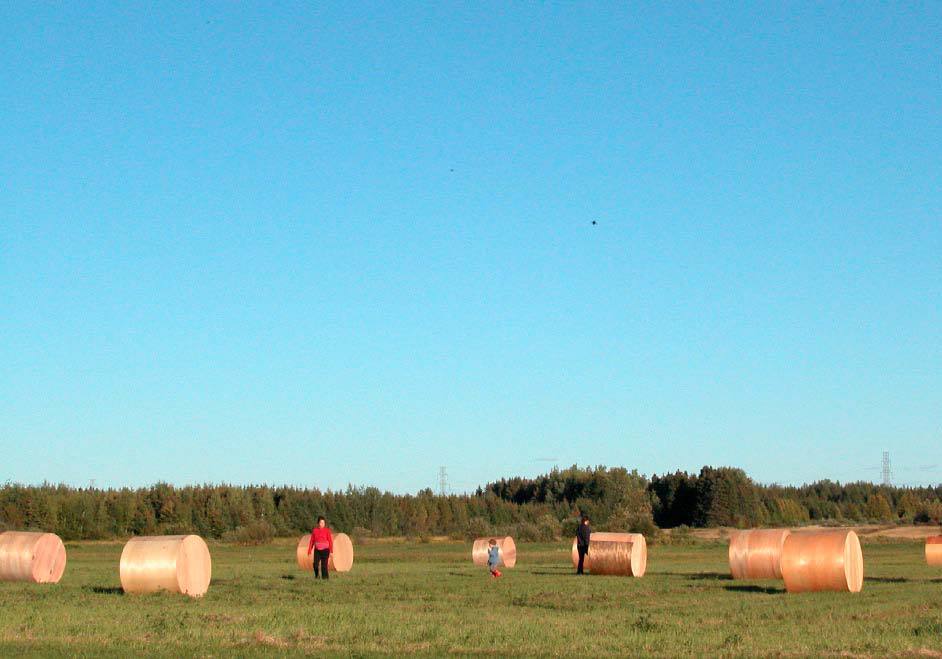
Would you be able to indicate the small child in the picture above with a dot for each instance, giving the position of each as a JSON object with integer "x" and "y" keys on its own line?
{"x": 493, "y": 558}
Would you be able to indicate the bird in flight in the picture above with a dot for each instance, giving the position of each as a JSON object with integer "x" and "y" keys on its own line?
{"x": 594, "y": 223}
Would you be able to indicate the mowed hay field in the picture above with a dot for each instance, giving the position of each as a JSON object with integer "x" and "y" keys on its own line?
{"x": 428, "y": 598}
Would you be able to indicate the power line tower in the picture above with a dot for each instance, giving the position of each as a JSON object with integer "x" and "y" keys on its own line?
{"x": 887, "y": 473}
{"x": 442, "y": 481}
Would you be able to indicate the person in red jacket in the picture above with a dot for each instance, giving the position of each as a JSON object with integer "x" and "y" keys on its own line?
{"x": 322, "y": 542}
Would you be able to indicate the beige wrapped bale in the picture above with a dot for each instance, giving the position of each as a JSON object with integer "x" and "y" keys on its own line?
{"x": 172, "y": 563}
{"x": 757, "y": 553}
{"x": 506, "y": 546}
{"x": 610, "y": 557}
{"x": 639, "y": 550}
{"x": 341, "y": 559}
{"x": 32, "y": 557}
{"x": 934, "y": 550}
{"x": 822, "y": 560}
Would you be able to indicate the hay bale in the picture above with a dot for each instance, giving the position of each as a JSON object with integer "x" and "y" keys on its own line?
{"x": 172, "y": 563}
{"x": 610, "y": 557}
{"x": 934, "y": 550}
{"x": 506, "y": 546}
{"x": 32, "y": 557}
{"x": 757, "y": 553}
{"x": 341, "y": 558}
{"x": 815, "y": 561}
{"x": 639, "y": 550}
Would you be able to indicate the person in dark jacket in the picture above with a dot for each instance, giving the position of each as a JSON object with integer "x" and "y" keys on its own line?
{"x": 583, "y": 533}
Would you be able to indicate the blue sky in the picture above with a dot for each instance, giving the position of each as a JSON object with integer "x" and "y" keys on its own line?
{"x": 337, "y": 243}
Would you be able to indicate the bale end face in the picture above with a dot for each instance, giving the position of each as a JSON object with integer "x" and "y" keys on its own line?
{"x": 341, "y": 559}
{"x": 194, "y": 567}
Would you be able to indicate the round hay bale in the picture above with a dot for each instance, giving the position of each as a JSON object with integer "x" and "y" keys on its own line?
{"x": 639, "y": 550}
{"x": 506, "y": 547}
{"x": 934, "y": 550}
{"x": 757, "y": 553}
{"x": 341, "y": 559}
{"x": 814, "y": 561}
{"x": 33, "y": 557}
{"x": 173, "y": 563}
{"x": 610, "y": 557}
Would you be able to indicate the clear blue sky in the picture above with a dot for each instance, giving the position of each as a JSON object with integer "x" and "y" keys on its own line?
{"x": 337, "y": 243}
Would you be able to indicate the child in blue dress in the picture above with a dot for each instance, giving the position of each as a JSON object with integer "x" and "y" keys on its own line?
{"x": 493, "y": 558}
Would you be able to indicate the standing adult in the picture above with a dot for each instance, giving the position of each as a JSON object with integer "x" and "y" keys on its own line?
{"x": 322, "y": 542}
{"x": 583, "y": 534}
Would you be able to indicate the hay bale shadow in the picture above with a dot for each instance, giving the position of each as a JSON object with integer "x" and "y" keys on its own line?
{"x": 764, "y": 590}
{"x": 555, "y": 573}
{"x": 106, "y": 590}
{"x": 709, "y": 576}
{"x": 888, "y": 579}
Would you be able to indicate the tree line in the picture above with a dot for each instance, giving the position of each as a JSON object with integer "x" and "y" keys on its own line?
{"x": 541, "y": 508}
{"x": 257, "y": 513}
{"x": 726, "y": 496}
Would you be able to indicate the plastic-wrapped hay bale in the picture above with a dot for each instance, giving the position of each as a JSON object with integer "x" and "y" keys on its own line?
{"x": 822, "y": 560}
{"x": 610, "y": 557}
{"x": 757, "y": 553}
{"x": 506, "y": 546}
{"x": 639, "y": 550}
{"x": 341, "y": 559}
{"x": 934, "y": 550}
{"x": 173, "y": 563}
{"x": 33, "y": 557}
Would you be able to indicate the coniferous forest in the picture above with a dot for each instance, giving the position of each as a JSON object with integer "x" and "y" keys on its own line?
{"x": 540, "y": 508}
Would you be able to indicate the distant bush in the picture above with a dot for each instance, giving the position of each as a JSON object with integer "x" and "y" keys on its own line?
{"x": 788, "y": 512}
{"x": 679, "y": 535}
{"x": 549, "y": 528}
{"x": 524, "y": 532}
{"x": 929, "y": 512}
{"x": 361, "y": 536}
{"x": 260, "y": 532}
{"x": 477, "y": 528}
{"x": 568, "y": 527}
{"x": 645, "y": 526}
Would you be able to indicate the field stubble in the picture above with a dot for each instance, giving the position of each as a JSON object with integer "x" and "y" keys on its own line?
{"x": 428, "y": 598}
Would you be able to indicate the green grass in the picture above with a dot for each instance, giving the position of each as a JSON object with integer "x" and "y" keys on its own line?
{"x": 428, "y": 598}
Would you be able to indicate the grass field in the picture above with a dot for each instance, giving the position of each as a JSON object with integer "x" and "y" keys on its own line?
{"x": 428, "y": 598}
